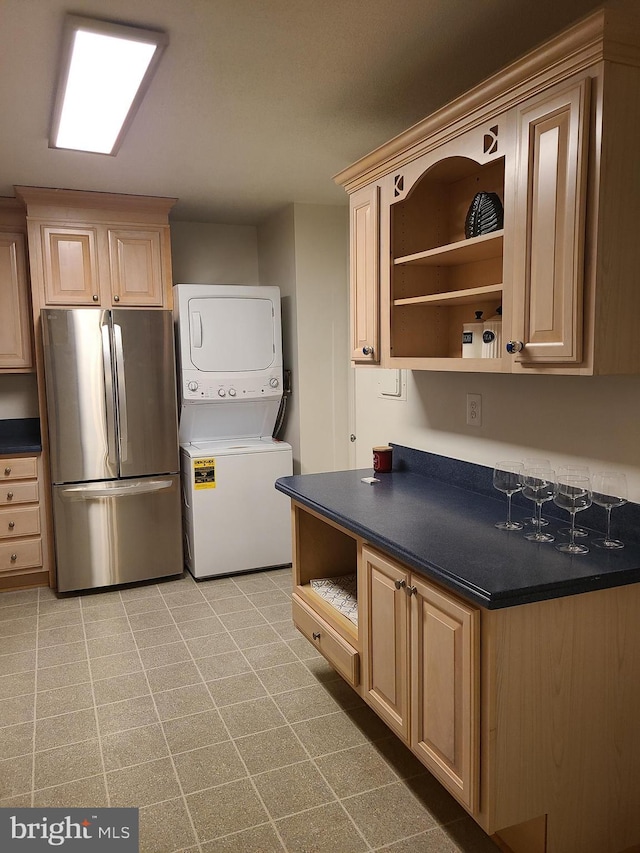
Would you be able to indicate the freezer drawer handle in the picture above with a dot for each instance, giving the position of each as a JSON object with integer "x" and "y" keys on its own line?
{"x": 88, "y": 493}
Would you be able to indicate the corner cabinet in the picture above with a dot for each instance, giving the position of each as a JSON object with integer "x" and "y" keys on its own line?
{"x": 15, "y": 312}
{"x": 554, "y": 136}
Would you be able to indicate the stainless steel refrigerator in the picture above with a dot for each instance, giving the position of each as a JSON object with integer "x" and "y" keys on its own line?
{"x": 113, "y": 437}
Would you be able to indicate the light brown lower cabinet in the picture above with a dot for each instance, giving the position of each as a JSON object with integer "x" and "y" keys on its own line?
{"x": 528, "y": 715}
{"x": 22, "y": 562}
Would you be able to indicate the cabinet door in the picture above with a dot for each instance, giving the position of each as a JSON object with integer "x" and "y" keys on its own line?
{"x": 15, "y": 321}
{"x": 385, "y": 640}
{"x": 445, "y": 689}
{"x": 135, "y": 258}
{"x": 553, "y": 131}
{"x": 365, "y": 275}
{"x": 70, "y": 260}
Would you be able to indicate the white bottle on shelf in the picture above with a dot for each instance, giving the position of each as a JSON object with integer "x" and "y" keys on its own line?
{"x": 492, "y": 336}
{"x": 472, "y": 337}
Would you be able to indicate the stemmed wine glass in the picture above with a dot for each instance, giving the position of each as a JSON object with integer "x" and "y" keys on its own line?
{"x": 609, "y": 490}
{"x": 564, "y": 472}
{"x": 536, "y": 463}
{"x": 573, "y": 495}
{"x": 539, "y": 486}
{"x": 508, "y": 477}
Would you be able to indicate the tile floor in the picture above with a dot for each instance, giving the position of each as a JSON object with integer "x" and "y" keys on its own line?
{"x": 203, "y": 706}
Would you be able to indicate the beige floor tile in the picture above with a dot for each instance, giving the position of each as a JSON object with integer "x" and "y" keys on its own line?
{"x": 61, "y": 655}
{"x": 331, "y": 733}
{"x": 277, "y": 612}
{"x": 63, "y": 676}
{"x": 157, "y": 636}
{"x": 236, "y": 688}
{"x": 165, "y": 655}
{"x": 150, "y": 590}
{"x": 12, "y": 627}
{"x": 286, "y": 630}
{"x": 17, "y": 662}
{"x": 401, "y": 760}
{"x": 223, "y": 588}
{"x": 260, "y": 635}
{"x": 128, "y": 686}
{"x": 430, "y": 793}
{"x": 189, "y": 612}
{"x": 16, "y": 740}
{"x": 101, "y": 611}
{"x": 183, "y": 701}
{"x": 201, "y": 628}
{"x": 292, "y": 789}
{"x": 116, "y": 644}
{"x": 306, "y": 703}
{"x": 388, "y": 814}
{"x": 144, "y": 605}
{"x": 128, "y": 714}
{"x": 60, "y": 619}
{"x": 326, "y": 829}
{"x": 269, "y": 598}
{"x": 143, "y": 784}
{"x": 247, "y": 718}
{"x": 225, "y": 809}
{"x": 115, "y": 665}
{"x": 60, "y": 636}
{"x": 242, "y": 619}
{"x": 355, "y": 770}
{"x": 85, "y": 793}
{"x": 17, "y": 684}
{"x": 303, "y": 649}
{"x": 208, "y": 766}
{"x": 217, "y": 644}
{"x": 63, "y": 700}
{"x": 345, "y": 696}
{"x": 280, "y": 679}
{"x": 321, "y": 670}
{"x": 191, "y": 595}
{"x": 57, "y": 605}
{"x": 165, "y": 826}
{"x": 274, "y": 654}
{"x": 194, "y": 731}
{"x": 18, "y": 611}
{"x": 466, "y": 837}
{"x": 221, "y": 666}
{"x": 18, "y": 709}
{"x": 431, "y": 841}
{"x": 254, "y": 582}
{"x": 270, "y": 750}
{"x": 15, "y": 776}
{"x": 152, "y": 619}
{"x": 65, "y": 729}
{"x": 24, "y": 596}
{"x": 134, "y": 746}
{"x": 172, "y": 676}
{"x": 260, "y": 839}
{"x": 237, "y": 604}
{"x": 19, "y": 643}
{"x": 21, "y": 801}
{"x": 106, "y": 628}
{"x": 67, "y": 763}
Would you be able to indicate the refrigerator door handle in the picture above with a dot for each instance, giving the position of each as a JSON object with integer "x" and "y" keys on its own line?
{"x": 98, "y": 490}
{"x": 122, "y": 392}
{"x": 107, "y": 368}
{"x": 196, "y": 329}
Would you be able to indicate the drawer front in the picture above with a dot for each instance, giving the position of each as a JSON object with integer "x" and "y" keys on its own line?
{"x": 21, "y": 521}
{"x": 21, "y": 554}
{"x": 335, "y": 649}
{"x": 18, "y": 468}
{"x": 18, "y": 493}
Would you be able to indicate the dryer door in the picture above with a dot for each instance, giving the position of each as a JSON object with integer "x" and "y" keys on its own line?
{"x": 229, "y": 333}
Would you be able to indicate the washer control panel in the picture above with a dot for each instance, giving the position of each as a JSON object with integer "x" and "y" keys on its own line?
{"x": 197, "y": 386}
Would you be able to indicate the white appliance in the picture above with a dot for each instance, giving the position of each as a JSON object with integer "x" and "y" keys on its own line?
{"x": 229, "y": 343}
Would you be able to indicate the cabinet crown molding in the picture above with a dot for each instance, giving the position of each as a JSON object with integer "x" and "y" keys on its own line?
{"x": 45, "y": 202}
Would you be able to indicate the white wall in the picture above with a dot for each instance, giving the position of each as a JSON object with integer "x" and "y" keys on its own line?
{"x": 587, "y": 420}
{"x": 18, "y": 396}
{"x": 204, "y": 253}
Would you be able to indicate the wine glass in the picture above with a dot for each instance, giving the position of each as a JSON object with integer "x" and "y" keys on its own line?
{"x": 539, "y": 486}
{"x": 609, "y": 490}
{"x": 563, "y": 472}
{"x": 573, "y": 495}
{"x": 508, "y": 478}
{"x": 536, "y": 462}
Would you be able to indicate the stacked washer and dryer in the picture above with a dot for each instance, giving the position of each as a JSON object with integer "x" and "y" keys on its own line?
{"x": 230, "y": 378}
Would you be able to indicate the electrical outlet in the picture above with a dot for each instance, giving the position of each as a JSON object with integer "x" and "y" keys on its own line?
{"x": 474, "y": 409}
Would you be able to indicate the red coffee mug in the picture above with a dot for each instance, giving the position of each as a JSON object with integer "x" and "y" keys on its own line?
{"x": 382, "y": 459}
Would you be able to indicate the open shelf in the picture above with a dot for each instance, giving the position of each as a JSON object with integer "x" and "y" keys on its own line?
{"x": 462, "y": 251}
{"x": 470, "y": 296}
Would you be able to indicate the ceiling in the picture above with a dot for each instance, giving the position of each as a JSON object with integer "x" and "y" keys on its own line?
{"x": 258, "y": 103}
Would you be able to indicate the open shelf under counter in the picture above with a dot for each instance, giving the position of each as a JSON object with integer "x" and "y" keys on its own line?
{"x": 468, "y": 251}
{"x": 331, "y": 614}
{"x": 469, "y": 296}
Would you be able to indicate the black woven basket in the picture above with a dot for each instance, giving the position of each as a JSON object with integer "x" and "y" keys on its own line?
{"x": 484, "y": 215}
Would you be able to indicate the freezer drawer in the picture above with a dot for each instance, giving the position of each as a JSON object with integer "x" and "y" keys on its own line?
{"x": 117, "y": 532}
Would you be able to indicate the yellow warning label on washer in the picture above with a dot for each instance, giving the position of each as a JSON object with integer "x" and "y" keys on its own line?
{"x": 204, "y": 473}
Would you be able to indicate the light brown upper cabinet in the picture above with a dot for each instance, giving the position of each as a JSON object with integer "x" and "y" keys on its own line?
{"x": 364, "y": 243}
{"x": 98, "y": 248}
{"x": 15, "y": 313}
{"x": 555, "y": 135}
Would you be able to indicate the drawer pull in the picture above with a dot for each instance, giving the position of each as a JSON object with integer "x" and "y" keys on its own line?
{"x": 316, "y": 635}
{"x": 9, "y": 496}
{"x": 7, "y": 471}
{"x": 14, "y": 557}
{"x": 399, "y": 584}
{"x": 12, "y": 524}
{"x": 412, "y": 590}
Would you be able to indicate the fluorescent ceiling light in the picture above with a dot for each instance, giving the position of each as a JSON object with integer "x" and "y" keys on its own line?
{"x": 106, "y": 70}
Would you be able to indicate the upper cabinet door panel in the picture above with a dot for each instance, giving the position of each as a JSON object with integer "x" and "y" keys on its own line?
{"x": 365, "y": 275}
{"x": 15, "y": 321}
{"x": 70, "y": 258}
{"x": 553, "y": 140}
{"x": 135, "y": 257}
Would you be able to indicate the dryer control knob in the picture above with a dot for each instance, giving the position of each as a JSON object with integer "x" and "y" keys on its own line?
{"x": 192, "y": 386}
{"x": 232, "y": 392}
{"x": 274, "y": 382}
{"x": 221, "y": 392}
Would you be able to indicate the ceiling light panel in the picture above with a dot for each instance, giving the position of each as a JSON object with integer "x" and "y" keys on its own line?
{"x": 106, "y": 69}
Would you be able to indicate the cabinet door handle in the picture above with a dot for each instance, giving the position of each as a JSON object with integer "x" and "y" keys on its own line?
{"x": 367, "y": 350}
{"x": 7, "y": 471}
{"x": 95, "y": 297}
{"x": 399, "y": 584}
{"x": 412, "y": 590}
{"x": 9, "y": 496}
{"x": 116, "y": 298}
{"x": 12, "y": 524}
{"x": 316, "y": 635}
{"x": 14, "y": 557}
{"x": 514, "y": 347}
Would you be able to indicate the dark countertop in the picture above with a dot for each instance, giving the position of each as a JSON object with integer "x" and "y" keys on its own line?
{"x": 20, "y": 435}
{"x": 447, "y": 533}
